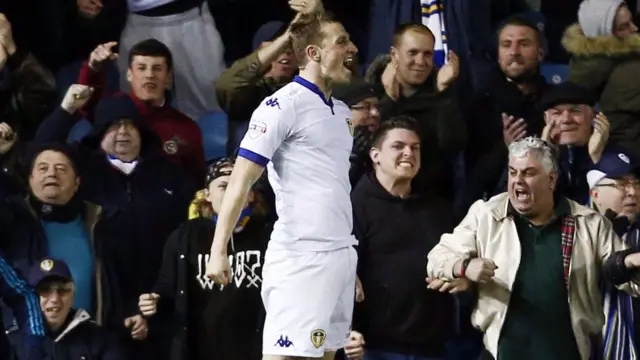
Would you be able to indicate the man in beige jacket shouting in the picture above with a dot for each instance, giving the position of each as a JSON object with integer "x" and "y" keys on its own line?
{"x": 538, "y": 260}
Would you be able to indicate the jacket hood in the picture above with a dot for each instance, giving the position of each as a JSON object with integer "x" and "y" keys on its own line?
{"x": 577, "y": 44}
{"x": 375, "y": 70}
{"x": 113, "y": 109}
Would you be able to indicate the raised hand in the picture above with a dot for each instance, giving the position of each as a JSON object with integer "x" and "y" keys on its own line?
{"x": 599, "y": 137}
{"x": 8, "y": 138}
{"x": 89, "y": 9}
{"x": 307, "y": 7}
{"x": 76, "y": 97}
{"x": 102, "y": 53}
{"x": 448, "y": 72}
{"x": 390, "y": 81}
{"x": 6, "y": 35}
{"x": 551, "y": 131}
{"x": 512, "y": 129}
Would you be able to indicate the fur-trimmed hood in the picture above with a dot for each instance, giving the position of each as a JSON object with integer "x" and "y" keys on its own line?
{"x": 375, "y": 70}
{"x": 577, "y": 44}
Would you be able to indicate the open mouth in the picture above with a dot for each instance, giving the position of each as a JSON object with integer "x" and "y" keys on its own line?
{"x": 53, "y": 310}
{"x": 405, "y": 164}
{"x": 348, "y": 62}
{"x": 630, "y": 205}
{"x": 522, "y": 195}
{"x": 150, "y": 86}
{"x": 284, "y": 61}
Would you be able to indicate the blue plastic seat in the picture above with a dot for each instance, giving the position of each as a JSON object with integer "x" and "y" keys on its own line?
{"x": 555, "y": 73}
{"x": 215, "y": 132}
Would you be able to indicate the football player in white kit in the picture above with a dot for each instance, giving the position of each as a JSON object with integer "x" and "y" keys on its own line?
{"x": 303, "y": 136}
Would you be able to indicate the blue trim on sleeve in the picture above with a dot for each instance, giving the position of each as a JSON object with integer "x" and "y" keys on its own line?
{"x": 20, "y": 287}
{"x": 254, "y": 157}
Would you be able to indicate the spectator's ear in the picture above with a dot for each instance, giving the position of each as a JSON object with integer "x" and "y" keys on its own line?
{"x": 374, "y": 154}
{"x": 541, "y": 55}
{"x": 129, "y": 75}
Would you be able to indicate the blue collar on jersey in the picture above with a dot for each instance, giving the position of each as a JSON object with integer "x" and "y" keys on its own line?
{"x": 313, "y": 87}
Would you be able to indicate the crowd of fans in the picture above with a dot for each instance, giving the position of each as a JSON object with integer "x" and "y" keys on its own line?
{"x": 499, "y": 224}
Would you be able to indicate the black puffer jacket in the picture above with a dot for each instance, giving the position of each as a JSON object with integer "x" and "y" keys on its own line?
{"x": 80, "y": 339}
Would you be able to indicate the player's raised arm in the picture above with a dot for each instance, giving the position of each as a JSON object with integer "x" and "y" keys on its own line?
{"x": 270, "y": 125}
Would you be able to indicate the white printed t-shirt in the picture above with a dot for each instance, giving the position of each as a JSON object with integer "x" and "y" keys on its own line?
{"x": 305, "y": 142}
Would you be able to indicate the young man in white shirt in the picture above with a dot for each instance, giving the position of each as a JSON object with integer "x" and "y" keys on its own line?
{"x": 303, "y": 136}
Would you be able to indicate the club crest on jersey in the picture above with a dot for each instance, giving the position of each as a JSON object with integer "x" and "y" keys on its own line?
{"x": 350, "y": 124}
{"x": 317, "y": 337}
{"x": 172, "y": 146}
{"x": 256, "y": 129}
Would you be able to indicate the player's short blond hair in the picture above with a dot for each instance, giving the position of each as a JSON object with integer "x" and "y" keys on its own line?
{"x": 307, "y": 32}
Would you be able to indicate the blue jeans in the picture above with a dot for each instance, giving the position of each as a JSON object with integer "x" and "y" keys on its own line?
{"x": 381, "y": 355}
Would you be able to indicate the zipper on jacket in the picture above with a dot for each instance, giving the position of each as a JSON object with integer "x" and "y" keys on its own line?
{"x": 129, "y": 193}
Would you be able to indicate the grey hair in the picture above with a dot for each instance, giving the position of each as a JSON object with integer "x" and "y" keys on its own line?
{"x": 535, "y": 146}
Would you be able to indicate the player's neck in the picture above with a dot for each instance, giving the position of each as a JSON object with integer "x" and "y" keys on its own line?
{"x": 315, "y": 77}
{"x": 396, "y": 187}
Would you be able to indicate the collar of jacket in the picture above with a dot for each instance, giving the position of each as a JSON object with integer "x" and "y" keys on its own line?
{"x": 146, "y": 109}
{"x": 577, "y": 44}
{"x": 79, "y": 317}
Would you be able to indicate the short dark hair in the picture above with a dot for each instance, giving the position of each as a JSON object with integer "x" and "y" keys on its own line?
{"x": 34, "y": 151}
{"x": 521, "y": 20}
{"x": 397, "y": 122}
{"x": 153, "y": 48}
{"x": 405, "y": 28}
{"x": 307, "y": 32}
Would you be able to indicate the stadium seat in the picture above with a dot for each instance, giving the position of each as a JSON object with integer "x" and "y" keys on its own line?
{"x": 215, "y": 130}
{"x": 81, "y": 129}
{"x": 555, "y": 73}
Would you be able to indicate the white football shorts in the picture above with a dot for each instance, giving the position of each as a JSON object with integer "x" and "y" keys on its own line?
{"x": 309, "y": 301}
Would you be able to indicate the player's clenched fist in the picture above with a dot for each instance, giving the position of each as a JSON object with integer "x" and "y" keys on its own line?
{"x": 480, "y": 270}
{"x": 76, "y": 97}
{"x": 101, "y": 54}
{"x": 218, "y": 268}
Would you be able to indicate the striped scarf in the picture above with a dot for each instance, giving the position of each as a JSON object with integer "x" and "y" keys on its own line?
{"x": 618, "y": 310}
{"x": 433, "y": 18}
{"x": 568, "y": 232}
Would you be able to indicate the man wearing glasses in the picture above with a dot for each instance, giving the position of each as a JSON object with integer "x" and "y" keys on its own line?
{"x": 615, "y": 193}
{"x": 70, "y": 332}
